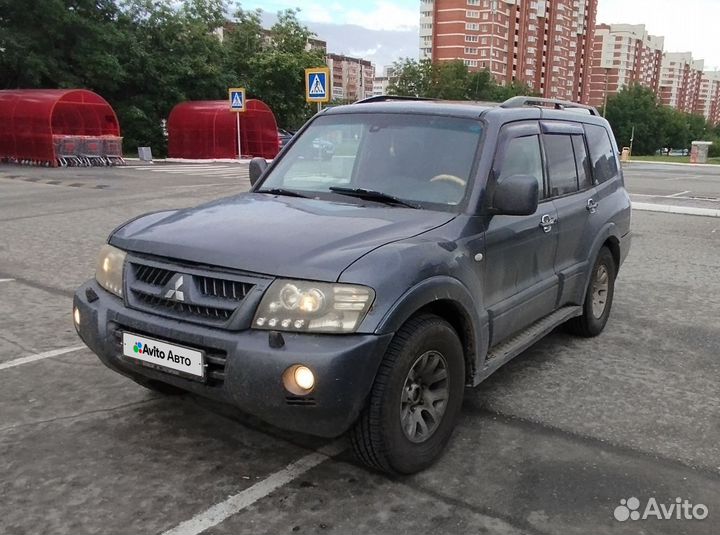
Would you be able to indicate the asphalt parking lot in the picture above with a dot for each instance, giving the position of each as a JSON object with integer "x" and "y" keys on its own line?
{"x": 550, "y": 444}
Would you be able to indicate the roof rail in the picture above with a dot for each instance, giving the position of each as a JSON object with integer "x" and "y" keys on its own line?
{"x": 519, "y": 102}
{"x": 386, "y": 98}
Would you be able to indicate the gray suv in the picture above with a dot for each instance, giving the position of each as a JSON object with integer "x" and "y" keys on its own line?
{"x": 364, "y": 292}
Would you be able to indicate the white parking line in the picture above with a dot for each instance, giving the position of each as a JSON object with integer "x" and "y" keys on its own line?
{"x": 39, "y": 356}
{"x": 679, "y": 194}
{"x": 6, "y": 280}
{"x": 237, "y": 502}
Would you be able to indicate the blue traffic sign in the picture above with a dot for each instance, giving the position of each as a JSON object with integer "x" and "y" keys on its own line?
{"x": 236, "y": 96}
{"x": 317, "y": 85}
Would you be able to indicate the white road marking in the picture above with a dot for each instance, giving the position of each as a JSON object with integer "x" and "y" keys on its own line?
{"x": 679, "y": 194}
{"x": 38, "y": 356}
{"x": 168, "y": 167}
{"x": 237, "y": 502}
{"x": 686, "y": 210}
{"x": 6, "y": 280}
{"x": 204, "y": 172}
{"x": 198, "y": 185}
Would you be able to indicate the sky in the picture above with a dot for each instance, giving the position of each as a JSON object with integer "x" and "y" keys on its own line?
{"x": 383, "y": 31}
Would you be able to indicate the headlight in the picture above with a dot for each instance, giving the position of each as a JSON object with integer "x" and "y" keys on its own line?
{"x": 301, "y": 306}
{"x": 109, "y": 270}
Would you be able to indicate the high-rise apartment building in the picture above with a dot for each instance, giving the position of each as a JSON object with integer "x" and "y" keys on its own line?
{"x": 352, "y": 77}
{"x": 708, "y": 103}
{"x": 680, "y": 80}
{"x": 624, "y": 54}
{"x": 544, "y": 43}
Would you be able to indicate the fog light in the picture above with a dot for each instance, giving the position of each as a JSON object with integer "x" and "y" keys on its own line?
{"x": 304, "y": 378}
{"x": 299, "y": 380}
{"x": 76, "y": 316}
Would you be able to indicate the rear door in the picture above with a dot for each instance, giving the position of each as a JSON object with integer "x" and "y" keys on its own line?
{"x": 573, "y": 195}
{"x": 520, "y": 281}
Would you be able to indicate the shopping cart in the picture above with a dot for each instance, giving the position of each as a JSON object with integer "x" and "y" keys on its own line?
{"x": 112, "y": 150}
{"x": 91, "y": 152}
{"x": 67, "y": 150}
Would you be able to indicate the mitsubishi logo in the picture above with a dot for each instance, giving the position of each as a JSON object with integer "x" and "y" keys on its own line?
{"x": 175, "y": 288}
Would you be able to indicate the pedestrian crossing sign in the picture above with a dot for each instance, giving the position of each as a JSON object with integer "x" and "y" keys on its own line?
{"x": 236, "y": 96}
{"x": 317, "y": 85}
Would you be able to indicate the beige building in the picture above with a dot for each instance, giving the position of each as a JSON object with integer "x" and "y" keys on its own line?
{"x": 544, "y": 43}
{"x": 352, "y": 78}
{"x": 680, "y": 80}
{"x": 624, "y": 54}
{"x": 708, "y": 103}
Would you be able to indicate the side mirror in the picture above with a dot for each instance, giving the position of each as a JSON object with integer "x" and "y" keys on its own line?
{"x": 257, "y": 168}
{"x": 516, "y": 195}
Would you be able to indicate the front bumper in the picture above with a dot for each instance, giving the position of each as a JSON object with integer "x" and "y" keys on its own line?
{"x": 251, "y": 376}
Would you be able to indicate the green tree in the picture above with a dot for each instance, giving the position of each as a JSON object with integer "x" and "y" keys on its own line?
{"x": 411, "y": 78}
{"x": 273, "y": 69}
{"x": 450, "y": 80}
{"x": 636, "y": 107}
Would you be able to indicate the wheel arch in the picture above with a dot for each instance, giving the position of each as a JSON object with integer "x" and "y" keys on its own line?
{"x": 450, "y": 300}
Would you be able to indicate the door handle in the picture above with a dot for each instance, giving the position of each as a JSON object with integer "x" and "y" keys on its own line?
{"x": 547, "y": 222}
{"x": 592, "y": 206}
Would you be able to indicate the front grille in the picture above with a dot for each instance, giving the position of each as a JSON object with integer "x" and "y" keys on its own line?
{"x": 160, "y": 304}
{"x": 225, "y": 289}
{"x": 215, "y": 359}
{"x": 187, "y": 293}
{"x": 152, "y": 275}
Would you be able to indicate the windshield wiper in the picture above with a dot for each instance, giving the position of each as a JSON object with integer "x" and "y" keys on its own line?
{"x": 283, "y": 191}
{"x": 373, "y": 195}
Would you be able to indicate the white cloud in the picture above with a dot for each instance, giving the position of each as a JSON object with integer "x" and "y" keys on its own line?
{"x": 316, "y": 13}
{"x": 367, "y": 53}
{"x": 384, "y": 16}
{"x": 687, "y": 26}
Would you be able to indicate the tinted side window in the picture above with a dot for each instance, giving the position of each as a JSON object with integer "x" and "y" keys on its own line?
{"x": 582, "y": 160}
{"x": 563, "y": 177}
{"x": 522, "y": 157}
{"x": 602, "y": 156}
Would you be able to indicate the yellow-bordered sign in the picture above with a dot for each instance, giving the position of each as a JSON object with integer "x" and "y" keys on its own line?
{"x": 318, "y": 84}
{"x": 236, "y": 96}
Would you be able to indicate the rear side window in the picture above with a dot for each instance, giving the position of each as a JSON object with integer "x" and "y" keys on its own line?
{"x": 582, "y": 160}
{"x": 602, "y": 156}
{"x": 563, "y": 177}
{"x": 522, "y": 157}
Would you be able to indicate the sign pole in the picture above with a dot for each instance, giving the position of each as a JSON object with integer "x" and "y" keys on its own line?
{"x": 236, "y": 96}
{"x": 237, "y": 117}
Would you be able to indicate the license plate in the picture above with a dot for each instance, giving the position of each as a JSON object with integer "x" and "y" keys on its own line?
{"x": 167, "y": 357}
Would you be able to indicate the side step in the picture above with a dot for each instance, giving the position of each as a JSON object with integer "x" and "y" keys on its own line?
{"x": 512, "y": 347}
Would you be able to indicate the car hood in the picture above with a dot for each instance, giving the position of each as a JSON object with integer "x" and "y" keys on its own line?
{"x": 274, "y": 235}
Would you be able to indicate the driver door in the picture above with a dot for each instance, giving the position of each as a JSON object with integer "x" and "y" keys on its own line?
{"x": 520, "y": 281}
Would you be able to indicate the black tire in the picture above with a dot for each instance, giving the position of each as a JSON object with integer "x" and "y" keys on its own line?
{"x": 159, "y": 387}
{"x": 378, "y": 438}
{"x": 590, "y": 323}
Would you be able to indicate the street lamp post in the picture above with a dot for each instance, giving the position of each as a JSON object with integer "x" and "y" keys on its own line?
{"x": 607, "y": 81}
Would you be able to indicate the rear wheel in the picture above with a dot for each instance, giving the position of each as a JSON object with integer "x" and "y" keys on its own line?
{"x": 599, "y": 297}
{"x": 415, "y": 400}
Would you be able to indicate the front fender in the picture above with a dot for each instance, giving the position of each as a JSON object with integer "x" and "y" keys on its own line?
{"x": 446, "y": 291}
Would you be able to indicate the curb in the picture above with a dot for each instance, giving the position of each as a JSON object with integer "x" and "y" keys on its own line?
{"x": 717, "y": 166}
{"x": 669, "y": 209}
{"x": 183, "y": 160}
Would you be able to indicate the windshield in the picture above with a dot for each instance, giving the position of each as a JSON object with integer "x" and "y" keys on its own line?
{"x": 421, "y": 159}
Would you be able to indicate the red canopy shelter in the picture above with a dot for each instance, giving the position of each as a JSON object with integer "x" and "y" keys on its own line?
{"x": 207, "y": 129}
{"x": 32, "y": 120}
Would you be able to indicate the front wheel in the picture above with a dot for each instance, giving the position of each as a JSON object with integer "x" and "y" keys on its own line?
{"x": 415, "y": 400}
{"x": 599, "y": 297}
